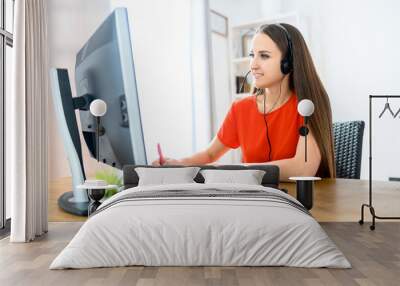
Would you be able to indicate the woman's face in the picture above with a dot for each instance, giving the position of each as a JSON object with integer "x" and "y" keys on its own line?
{"x": 265, "y": 61}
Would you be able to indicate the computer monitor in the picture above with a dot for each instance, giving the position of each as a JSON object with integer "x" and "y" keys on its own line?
{"x": 104, "y": 70}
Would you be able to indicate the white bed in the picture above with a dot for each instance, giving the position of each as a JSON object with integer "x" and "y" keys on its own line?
{"x": 252, "y": 225}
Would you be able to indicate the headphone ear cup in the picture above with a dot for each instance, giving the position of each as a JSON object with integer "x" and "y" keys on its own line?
{"x": 285, "y": 67}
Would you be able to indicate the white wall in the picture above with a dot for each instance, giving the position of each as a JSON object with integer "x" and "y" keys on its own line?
{"x": 355, "y": 48}
{"x": 239, "y": 11}
{"x": 161, "y": 49}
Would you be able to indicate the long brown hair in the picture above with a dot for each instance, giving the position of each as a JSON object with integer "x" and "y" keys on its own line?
{"x": 305, "y": 82}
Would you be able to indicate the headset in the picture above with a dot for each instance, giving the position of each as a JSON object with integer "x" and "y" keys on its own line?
{"x": 287, "y": 61}
{"x": 286, "y": 67}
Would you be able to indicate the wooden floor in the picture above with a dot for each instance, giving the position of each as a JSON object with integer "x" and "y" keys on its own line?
{"x": 56, "y": 189}
{"x": 374, "y": 255}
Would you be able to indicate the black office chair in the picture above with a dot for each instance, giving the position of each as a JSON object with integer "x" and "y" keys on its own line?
{"x": 348, "y": 139}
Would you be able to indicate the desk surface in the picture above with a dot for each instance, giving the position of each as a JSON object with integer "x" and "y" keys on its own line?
{"x": 334, "y": 199}
{"x": 341, "y": 199}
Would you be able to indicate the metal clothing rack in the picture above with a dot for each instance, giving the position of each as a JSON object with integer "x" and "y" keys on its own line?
{"x": 369, "y": 205}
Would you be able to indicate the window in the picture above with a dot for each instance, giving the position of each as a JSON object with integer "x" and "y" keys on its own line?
{"x": 6, "y": 44}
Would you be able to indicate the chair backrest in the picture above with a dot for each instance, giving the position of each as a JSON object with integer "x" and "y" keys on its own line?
{"x": 348, "y": 139}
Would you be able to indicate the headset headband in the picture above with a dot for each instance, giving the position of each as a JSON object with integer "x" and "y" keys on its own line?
{"x": 288, "y": 55}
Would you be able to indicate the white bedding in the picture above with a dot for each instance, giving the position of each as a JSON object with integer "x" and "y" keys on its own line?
{"x": 182, "y": 231}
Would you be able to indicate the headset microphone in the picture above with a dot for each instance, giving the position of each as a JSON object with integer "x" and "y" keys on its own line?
{"x": 244, "y": 80}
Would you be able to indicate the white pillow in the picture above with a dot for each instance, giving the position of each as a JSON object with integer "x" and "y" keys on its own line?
{"x": 162, "y": 176}
{"x": 249, "y": 177}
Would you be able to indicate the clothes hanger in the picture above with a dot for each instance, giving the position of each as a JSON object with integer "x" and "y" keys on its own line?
{"x": 387, "y": 106}
{"x": 398, "y": 111}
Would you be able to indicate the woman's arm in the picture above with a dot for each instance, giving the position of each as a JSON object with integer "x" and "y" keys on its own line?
{"x": 213, "y": 152}
{"x": 297, "y": 166}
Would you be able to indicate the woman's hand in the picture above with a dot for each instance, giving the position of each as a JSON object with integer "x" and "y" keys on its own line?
{"x": 168, "y": 161}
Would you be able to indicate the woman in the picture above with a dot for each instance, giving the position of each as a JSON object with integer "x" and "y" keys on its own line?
{"x": 265, "y": 125}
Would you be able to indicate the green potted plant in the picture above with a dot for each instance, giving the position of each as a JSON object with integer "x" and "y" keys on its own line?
{"x": 111, "y": 178}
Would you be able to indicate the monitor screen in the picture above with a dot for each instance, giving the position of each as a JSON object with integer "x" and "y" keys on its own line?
{"x": 105, "y": 70}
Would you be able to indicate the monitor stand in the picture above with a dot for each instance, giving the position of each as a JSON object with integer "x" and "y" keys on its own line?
{"x": 76, "y": 201}
{"x": 67, "y": 202}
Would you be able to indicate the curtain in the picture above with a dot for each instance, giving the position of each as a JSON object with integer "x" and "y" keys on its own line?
{"x": 27, "y": 151}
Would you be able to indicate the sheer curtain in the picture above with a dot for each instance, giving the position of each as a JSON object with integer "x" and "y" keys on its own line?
{"x": 27, "y": 150}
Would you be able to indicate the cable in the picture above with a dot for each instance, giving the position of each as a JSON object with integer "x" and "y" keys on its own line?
{"x": 266, "y": 127}
{"x": 265, "y": 120}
